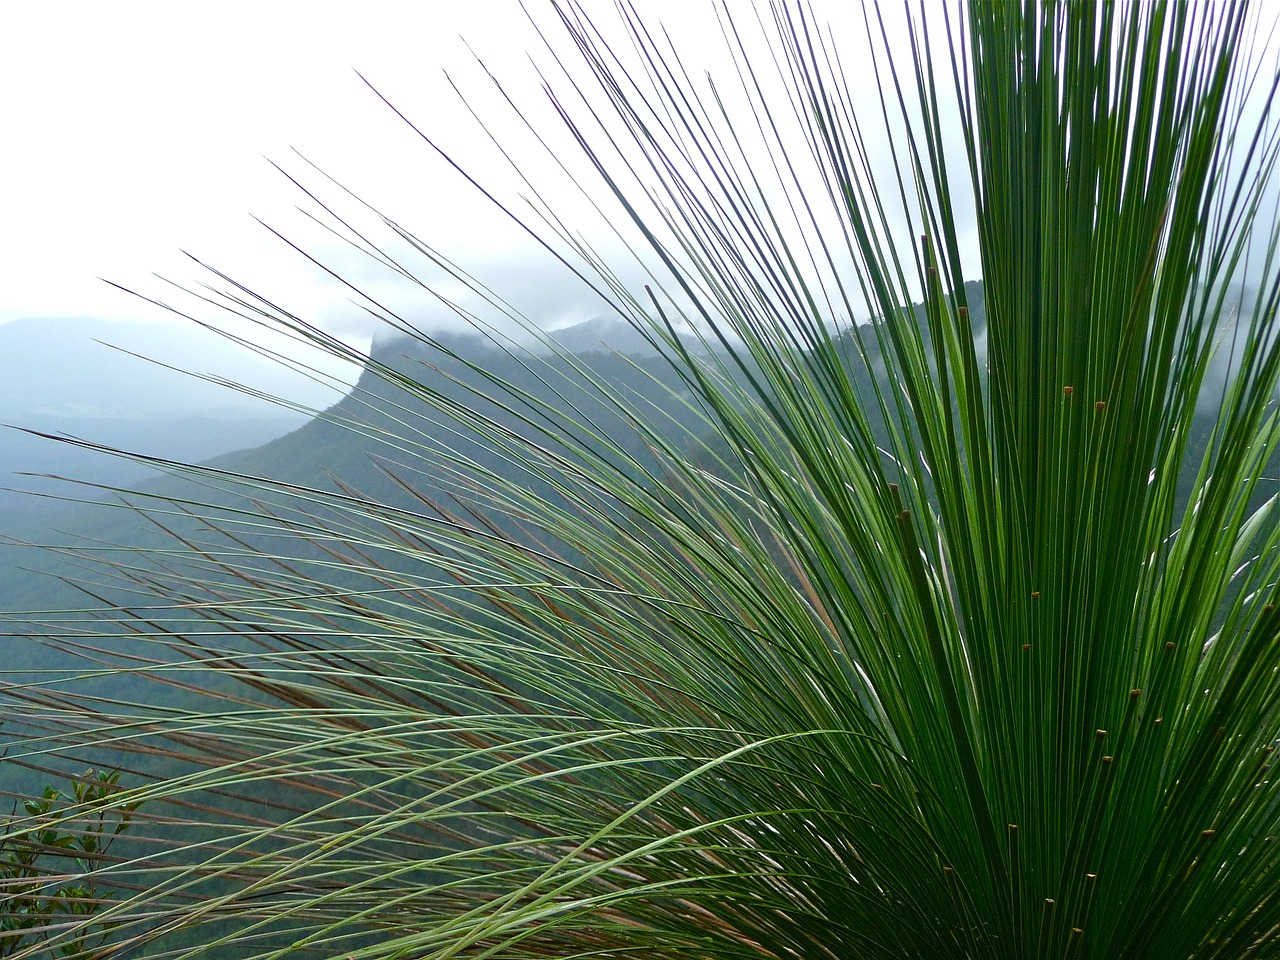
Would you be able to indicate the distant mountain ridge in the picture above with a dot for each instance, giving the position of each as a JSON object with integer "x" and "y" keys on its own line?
{"x": 337, "y": 445}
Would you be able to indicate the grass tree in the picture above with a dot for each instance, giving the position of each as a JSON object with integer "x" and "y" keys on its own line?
{"x": 943, "y": 646}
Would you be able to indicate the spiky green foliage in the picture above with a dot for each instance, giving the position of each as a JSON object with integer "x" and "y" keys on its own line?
{"x": 952, "y": 653}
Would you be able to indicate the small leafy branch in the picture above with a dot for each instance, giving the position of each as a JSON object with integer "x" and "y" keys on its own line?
{"x": 48, "y": 865}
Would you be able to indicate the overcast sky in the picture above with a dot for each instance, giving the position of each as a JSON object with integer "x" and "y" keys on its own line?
{"x": 138, "y": 129}
{"x": 134, "y": 130}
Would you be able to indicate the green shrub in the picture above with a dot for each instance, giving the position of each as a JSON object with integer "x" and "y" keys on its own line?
{"x": 49, "y": 864}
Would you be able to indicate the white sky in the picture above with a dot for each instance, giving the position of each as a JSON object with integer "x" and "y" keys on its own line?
{"x": 137, "y": 128}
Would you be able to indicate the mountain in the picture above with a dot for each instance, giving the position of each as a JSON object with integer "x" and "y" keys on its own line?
{"x": 376, "y": 441}
{"x": 380, "y": 442}
{"x": 26, "y": 458}
{"x": 339, "y": 445}
{"x": 58, "y": 376}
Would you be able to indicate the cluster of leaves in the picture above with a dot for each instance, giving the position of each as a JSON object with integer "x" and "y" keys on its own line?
{"x": 49, "y": 863}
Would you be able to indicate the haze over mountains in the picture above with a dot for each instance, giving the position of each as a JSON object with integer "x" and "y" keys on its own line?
{"x": 61, "y": 381}
{"x": 61, "y": 378}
